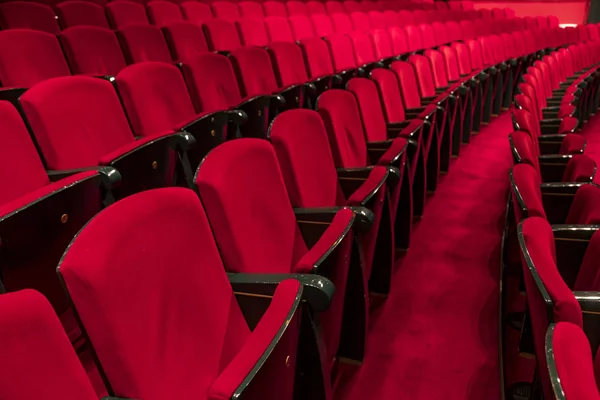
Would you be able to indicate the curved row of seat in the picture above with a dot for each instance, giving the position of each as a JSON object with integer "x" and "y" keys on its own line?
{"x": 552, "y": 182}
{"x": 118, "y": 14}
{"x": 331, "y": 144}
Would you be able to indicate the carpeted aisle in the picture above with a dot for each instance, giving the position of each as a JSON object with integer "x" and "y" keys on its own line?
{"x": 437, "y": 334}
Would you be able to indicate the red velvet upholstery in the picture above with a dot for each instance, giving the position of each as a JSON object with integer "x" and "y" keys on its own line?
{"x": 544, "y": 284}
{"x": 247, "y": 169}
{"x": 351, "y": 6}
{"x": 252, "y": 31}
{"x": 123, "y": 13}
{"x": 22, "y": 170}
{"x": 322, "y": 25}
{"x": 302, "y": 27}
{"x": 317, "y": 58}
{"x": 408, "y": 83}
{"x": 391, "y": 18}
{"x": 185, "y": 39}
{"x": 295, "y": 7}
{"x": 70, "y": 132}
{"x": 225, "y": 10}
{"x": 399, "y": 40}
{"x": 21, "y": 52}
{"x": 300, "y": 142}
{"x": 162, "y": 13}
{"x": 288, "y": 64}
{"x": 279, "y": 29}
{"x": 28, "y": 15}
{"x": 585, "y": 208}
{"x": 342, "y": 54}
{"x": 376, "y": 20}
{"x": 427, "y": 36}
{"x": 424, "y": 73}
{"x": 364, "y": 52}
{"x": 38, "y": 361}
{"x": 360, "y": 21}
{"x": 334, "y": 7}
{"x": 190, "y": 292}
{"x": 142, "y": 43}
{"x": 75, "y": 13}
{"x": 382, "y": 44}
{"x": 316, "y": 8}
{"x": 211, "y": 82}
{"x": 389, "y": 92}
{"x": 572, "y": 357}
{"x": 254, "y": 71}
{"x": 251, "y": 9}
{"x": 92, "y": 51}
{"x": 341, "y": 23}
{"x": 221, "y": 35}
{"x": 274, "y": 9}
{"x": 155, "y": 98}
{"x": 580, "y": 168}
{"x": 526, "y": 193}
{"x": 196, "y": 12}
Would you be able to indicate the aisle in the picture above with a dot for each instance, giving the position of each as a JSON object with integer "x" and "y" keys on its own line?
{"x": 437, "y": 335}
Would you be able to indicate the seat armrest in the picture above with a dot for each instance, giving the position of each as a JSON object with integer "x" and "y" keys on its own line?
{"x": 317, "y": 290}
{"x": 109, "y": 176}
{"x": 359, "y": 189}
{"x": 237, "y": 117}
{"x": 362, "y": 219}
{"x": 396, "y": 127}
{"x": 552, "y": 138}
{"x": 262, "y": 345}
{"x": 550, "y": 144}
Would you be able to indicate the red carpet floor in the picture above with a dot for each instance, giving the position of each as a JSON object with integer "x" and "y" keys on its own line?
{"x": 436, "y": 336}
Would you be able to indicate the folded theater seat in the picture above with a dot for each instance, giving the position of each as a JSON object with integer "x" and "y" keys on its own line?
{"x": 527, "y": 114}
{"x": 258, "y": 231}
{"x": 561, "y": 281}
{"x": 42, "y": 209}
{"x": 353, "y": 146}
{"x": 121, "y": 14}
{"x": 81, "y": 13}
{"x": 28, "y": 15}
{"x": 562, "y": 167}
{"x": 312, "y": 181}
{"x": 92, "y": 51}
{"x": 194, "y": 311}
{"x": 572, "y": 368}
{"x": 38, "y": 361}
{"x": 563, "y": 140}
{"x": 78, "y": 123}
{"x": 20, "y": 53}
{"x": 558, "y": 202}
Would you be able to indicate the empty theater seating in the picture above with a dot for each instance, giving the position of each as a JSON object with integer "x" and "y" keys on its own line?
{"x": 295, "y": 147}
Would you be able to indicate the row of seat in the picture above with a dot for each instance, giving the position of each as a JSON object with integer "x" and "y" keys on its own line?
{"x": 117, "y": 15}
{"x": 78, "y": 122}
{"x": 552, "y": 182}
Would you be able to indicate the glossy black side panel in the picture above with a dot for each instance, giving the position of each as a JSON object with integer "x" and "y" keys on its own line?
{"x": 34, "y": 238}
{"x": 150, "y": 166}
{"x": 209, "y": 132}
{"x": 12, "y": 96}
{"x": 257, "y": 110}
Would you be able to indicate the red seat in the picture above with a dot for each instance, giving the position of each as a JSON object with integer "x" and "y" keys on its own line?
{"x": 221, "y": 35}
{"x": 196, "y": 12}
{"x": 92, "y": 51}
{"x": 342, "y": 23}
{"x": 78, "y": 122}
{"x": 185, "y": 39}
{"x": 143, "y": 43}
{"x": 162, "y": 13}
{"x": 351, "y": 6}
{"x": 302, "y": 27}
{"x": 252, "y": 31}
{"x": 123, "y": 13}
{"x": 28, "y": 15}
{"x": 571, "y": 367}
{"x": 39, "y": 361}
{"x": 316, "y": 8}
{"x": 360, "y": 21}
{"x": 322, "y": 25}
{"x": 36, "y": 199}
{"x": 334, "y": 7}
{"x": 128, "y": 332}
{"x": 251, "y": 9}
{"x": 295, "y": 7}
{"x": 248, "y": 169}
{"x": 274, "y": 9}
{"x": 300, "y": 142}
{"x": 279, "y": 29}
{"x": 75, "y": 13}
{"x": 318, "y": 63}
{"x": 225, "y": 10}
